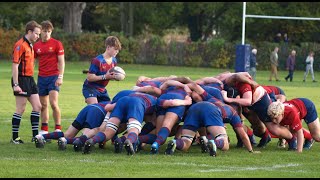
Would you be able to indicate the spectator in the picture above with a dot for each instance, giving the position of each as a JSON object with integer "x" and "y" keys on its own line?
{"x": 285, "y": 38}
{"x": 286, "y": 42}
{"x": 291, "y": 63}
{"x": 309, "y": 67}
{"x": 277, "y": 39}
{"x": 253, "y": 64}
{"x": 274, "y": 64}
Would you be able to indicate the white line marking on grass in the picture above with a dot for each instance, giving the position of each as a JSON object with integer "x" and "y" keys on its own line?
{"x": 192, "y": 164}
{"x": 174, "y": 164}
{"x": 230, "y": 168}
{"x": 266, "y": 168}
{"x": 57, "y": 160}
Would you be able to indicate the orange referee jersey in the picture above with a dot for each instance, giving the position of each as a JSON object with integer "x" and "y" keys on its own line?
{"x": 23, "y": 55}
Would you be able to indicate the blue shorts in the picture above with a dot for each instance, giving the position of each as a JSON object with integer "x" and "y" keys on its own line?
{"x": 281, "y": 91}
{"x": 93, "y": 92}
{"x": 261, "y": 108}
{"x": 129, "y": 107}
{"x": 312, "y": 114}
{"x": 272, "y": 97}
{"x": 90, "y": 117}
{"x": 179, "y": 110}
{"x": 203, "y": 114}
{"x": 47, "y": 84}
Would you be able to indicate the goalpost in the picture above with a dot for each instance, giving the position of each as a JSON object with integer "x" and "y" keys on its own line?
{"x": 243, "y": 51}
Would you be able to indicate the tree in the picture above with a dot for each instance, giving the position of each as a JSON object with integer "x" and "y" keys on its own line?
{"x": 204, "y": 17}
{"x": 72, "y": 16}
{"x": 126, "y": 18}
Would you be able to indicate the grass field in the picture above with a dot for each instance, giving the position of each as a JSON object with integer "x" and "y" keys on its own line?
{"x": 27, "y": 161}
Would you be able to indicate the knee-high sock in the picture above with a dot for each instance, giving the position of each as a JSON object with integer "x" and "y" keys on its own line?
{"x": 34, "y": 118}
{"x": 219, "y": 143}
{"x": 132, "y": 137}
{"x": 292, "y": 139}
{"x": 53, "y": 135}
{"x": 306, "y": 135}
{"x": 58, "y": 126}
{"x": 249, "y": 131}
{"x": 83, "y": 138}
{"x": 99, "y": 137}
{"x": 162, "y": 135}
{"x": 123, "y": 138}
{"x": 114, "y": 137}
{"x": 71, "y": 140}
{"x": 179, "y": 144}
{"x": 149, "y": 138}
{"x": 16, "y": 119}
{"x": 44, "y": 127}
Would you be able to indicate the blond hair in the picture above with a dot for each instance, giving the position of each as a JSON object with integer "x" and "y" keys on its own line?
{"x": 275, "y": 109}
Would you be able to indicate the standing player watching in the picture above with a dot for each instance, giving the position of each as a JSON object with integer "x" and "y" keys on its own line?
{"x": 50, "y": 53}
{"x": 22, "y": 81}
{"x": 94, "y": 87}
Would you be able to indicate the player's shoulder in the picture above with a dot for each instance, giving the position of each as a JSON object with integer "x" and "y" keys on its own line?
{"x": 114, "y": 60}
{"x": 55, "y": 40}
{"x": 97, "y": 59}
{"x": 20, "y": 44}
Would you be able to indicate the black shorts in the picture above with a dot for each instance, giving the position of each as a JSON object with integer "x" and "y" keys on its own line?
{"x": 28, "y": 86}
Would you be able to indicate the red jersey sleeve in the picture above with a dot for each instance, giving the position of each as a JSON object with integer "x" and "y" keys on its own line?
{"x": 243, "y": 88}
{"x": 268, "y": 89}
{"x": 291, "y": 117}
{"x": 60, "y": 49}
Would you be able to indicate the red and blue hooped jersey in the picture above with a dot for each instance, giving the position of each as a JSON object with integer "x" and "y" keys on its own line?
{"x": 99, "y": 66}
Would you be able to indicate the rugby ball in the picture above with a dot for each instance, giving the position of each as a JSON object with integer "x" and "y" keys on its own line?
{"x": 120, "y": 74}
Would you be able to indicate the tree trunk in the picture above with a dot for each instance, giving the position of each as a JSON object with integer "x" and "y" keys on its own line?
{"x": 131, "y": 9}
{"x": 126, "y": 17}
{"x": 123, "y": 20}
{"x": 72, "y": 17}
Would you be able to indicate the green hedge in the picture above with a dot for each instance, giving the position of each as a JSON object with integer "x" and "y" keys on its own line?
{"x": 152, "y": 49}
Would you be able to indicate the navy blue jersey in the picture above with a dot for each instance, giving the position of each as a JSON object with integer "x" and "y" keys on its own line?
{"x": 150, "y": 83}
{"x": 121, "y": 94}
{"x": 99, "y": 66}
